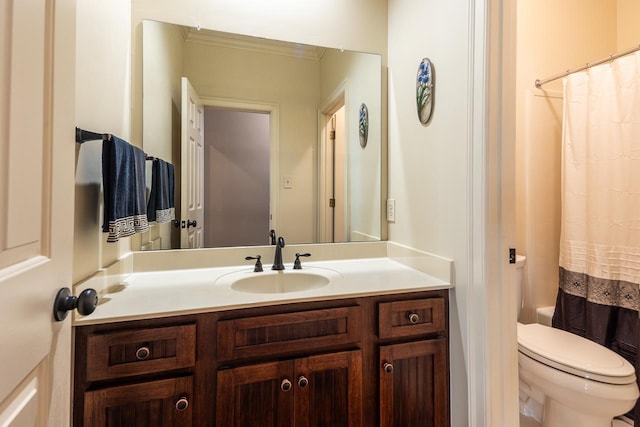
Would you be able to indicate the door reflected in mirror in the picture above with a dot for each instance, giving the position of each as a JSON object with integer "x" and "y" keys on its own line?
{"x": 296, "y": 167}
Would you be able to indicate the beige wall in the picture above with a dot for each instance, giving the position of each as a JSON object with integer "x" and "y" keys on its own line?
{"x": 103, "y": 72}
{"x": 551, "y": 37}
{"x": 628, "y": 28}
{"x": 428, "y": 165}
{"x": 163, "y": 59}
{"x": 359, "y": 74}
{"x": 328, "y": 23}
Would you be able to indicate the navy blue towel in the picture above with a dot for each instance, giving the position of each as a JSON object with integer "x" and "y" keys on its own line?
{"x": 123, "y": 177}
{"x": 161, "y": 207}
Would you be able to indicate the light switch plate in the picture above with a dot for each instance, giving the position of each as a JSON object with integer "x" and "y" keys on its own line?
{"x": 287, "y": 182}
{"x": 391, "y": 210}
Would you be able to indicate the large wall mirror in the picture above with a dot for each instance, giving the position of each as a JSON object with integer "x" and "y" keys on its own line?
{"x": 263, "y": 135}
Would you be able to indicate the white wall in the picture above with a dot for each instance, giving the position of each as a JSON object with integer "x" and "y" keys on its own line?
{"x": 428, "y": 165}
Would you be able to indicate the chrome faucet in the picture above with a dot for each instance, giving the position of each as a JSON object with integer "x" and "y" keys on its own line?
{"x": 277, "y": 260}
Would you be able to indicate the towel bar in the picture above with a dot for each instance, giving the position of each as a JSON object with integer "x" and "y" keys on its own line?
{"x": 85, "y": 135}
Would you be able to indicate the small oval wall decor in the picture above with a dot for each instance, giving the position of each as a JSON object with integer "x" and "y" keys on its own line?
{"x": 363, "y": 125}
{"x": 424, "y": 90}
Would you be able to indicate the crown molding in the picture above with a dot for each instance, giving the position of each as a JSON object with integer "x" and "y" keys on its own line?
{"x": 254, "y": 44}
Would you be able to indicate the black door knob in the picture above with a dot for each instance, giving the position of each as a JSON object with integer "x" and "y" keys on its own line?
{"x": 86, "y": 303}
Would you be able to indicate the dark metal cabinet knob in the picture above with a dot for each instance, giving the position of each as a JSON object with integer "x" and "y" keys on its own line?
{"x": 285, "y": 385}
{"x": 388, "y": 367}
{"x": 182, "y": 404}
{"x": 414, "y": 318}
{"x": 86, "y": 303}
{"x": 303, "y": 381}
{"x": 143, "y": 353}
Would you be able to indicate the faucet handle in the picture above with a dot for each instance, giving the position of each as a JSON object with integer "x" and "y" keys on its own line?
{"x": 258, "y": 266}
{"x": 296, "y": 264}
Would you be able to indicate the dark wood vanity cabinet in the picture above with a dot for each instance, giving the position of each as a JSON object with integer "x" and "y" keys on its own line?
{"x": 359, "y": 362}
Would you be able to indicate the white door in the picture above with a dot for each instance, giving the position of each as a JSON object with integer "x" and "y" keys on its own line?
{"x": 192, "y": 168}
{"x": 37, "y": 96}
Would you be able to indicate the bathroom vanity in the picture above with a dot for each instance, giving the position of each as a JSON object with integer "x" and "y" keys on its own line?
{"x": 348, "y": 358}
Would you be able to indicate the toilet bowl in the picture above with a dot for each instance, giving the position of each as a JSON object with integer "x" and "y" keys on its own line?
{"x": 583, "y": 383}
{"x": 567, "y": 380}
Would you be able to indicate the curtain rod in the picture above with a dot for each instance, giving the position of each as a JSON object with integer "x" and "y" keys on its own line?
{"x": 611, "y": 57}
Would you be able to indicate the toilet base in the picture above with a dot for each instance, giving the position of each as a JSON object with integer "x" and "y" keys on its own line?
{"x": 558, "y": 415}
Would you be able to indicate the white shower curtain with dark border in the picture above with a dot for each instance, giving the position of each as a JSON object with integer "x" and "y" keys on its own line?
{"x": 600, "y": 227}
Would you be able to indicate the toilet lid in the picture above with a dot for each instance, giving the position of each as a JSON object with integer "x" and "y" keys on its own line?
{"x": 574, "y": 354}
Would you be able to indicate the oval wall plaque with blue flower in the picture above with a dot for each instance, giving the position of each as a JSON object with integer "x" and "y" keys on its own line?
{"x": 424, "y": 91}
{"x": 363, "y": 125}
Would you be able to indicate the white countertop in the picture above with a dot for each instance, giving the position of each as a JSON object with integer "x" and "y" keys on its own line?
{"x": 146, "y": 295}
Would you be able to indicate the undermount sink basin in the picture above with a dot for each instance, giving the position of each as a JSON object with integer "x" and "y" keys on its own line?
{"x": 277, "y": 282}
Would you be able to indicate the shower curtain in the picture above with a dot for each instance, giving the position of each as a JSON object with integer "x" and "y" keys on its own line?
{"x": 600, "y": 226}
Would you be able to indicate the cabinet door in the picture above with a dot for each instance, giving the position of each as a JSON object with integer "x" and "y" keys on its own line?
{"x": 157, "y": 403}
{"x": 328, "y": 390}
{"x": 414, "y": 388}
{"x": 256, "y": 396}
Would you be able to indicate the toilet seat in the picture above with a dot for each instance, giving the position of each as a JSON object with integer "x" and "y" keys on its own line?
{"x": 573, "y": 354}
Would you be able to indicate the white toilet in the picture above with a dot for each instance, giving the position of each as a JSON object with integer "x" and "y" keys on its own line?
{"x": 567, "y": 380}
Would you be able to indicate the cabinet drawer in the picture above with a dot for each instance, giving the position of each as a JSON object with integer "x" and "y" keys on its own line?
{"x": 127, "y": 353}
{"x": 156, "y": 403}
{"x": 288, "y": 332}
{"x": 413, "y": 317}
